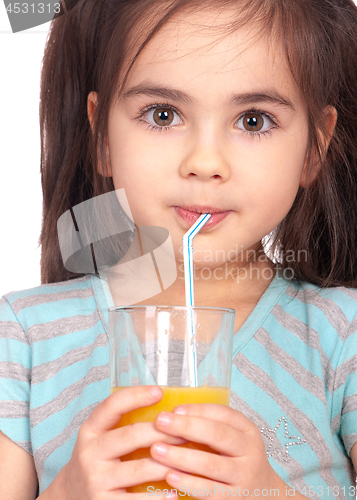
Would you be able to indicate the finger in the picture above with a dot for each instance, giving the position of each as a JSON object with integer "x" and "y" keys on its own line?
{"x": 136, "y": 472}
{"x": 220, "y": 437}
{"x": 108, "y": 413}
{"x": 202, "y": 463}
{"x": 119, "y": 442}
{"x": 198, "y": 487}
{"x": 219, "y": 413}
{"x": 144, "y": 495}
{"x": 154, "y": 492}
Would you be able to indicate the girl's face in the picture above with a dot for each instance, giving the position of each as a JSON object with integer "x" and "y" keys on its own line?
{"x": 209, "y": 124}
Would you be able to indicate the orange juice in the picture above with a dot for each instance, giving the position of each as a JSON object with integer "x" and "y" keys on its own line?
{"x": 173, "y": 396}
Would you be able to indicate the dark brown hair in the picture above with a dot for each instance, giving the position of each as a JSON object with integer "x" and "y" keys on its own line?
{"x": 94, "y": 46}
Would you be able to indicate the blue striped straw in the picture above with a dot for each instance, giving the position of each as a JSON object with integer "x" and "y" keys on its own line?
{"x": 189, "y": 292}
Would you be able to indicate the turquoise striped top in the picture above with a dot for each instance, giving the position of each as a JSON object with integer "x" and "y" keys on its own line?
{"x": 294, "y": 375}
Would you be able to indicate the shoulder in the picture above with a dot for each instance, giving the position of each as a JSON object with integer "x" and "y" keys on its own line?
{"x": 327, "y": 310}
{"x": 316, "y": 326}
{"x": 48, "y": 302}
{"x": 336, "y": 304}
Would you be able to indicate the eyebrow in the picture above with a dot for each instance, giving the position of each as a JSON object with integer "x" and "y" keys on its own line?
{"x": 270, "y": 95}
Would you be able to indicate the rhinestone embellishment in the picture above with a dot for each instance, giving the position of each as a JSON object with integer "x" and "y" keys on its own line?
{"x": 270, "y": 434}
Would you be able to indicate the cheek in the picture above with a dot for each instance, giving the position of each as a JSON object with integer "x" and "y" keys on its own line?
{"x": 281, "y": 198}
{"x": 135, "y": 158}
{"x": 273, "y": 187}
{"x": 136, "y": 169}
{"x": 130, "y": 166}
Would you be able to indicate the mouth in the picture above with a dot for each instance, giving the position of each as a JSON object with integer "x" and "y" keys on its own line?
{"x": 191, "y": 213}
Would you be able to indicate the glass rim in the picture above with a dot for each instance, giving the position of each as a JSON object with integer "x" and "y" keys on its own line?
{"x": 166, "y": 307}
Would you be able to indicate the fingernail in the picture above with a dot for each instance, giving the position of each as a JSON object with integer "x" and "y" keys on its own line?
{"x": 170, "y": 494}
{"x": 155, "y": 391}
{"x": 165, "y": 419}
{"x": 174, "y": 477}
{"x": 180, "y": 410}
{"x": 160, "y": 449}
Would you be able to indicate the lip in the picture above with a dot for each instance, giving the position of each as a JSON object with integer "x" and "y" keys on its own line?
{"x": 191, "y": 214}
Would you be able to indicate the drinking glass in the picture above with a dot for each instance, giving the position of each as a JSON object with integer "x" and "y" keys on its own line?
{"x": 174, "y": 347}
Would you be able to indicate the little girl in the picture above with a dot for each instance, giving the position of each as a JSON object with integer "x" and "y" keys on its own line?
{"x": 246, "y": 109}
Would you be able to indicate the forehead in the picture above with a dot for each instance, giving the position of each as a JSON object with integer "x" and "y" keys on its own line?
{"x": 200, "y": 53}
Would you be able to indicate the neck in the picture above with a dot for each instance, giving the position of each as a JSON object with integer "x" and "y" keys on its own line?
{"x": 225, "y": 285}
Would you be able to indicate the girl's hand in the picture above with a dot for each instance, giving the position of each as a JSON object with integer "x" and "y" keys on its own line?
{"x": 95, "y": 471}
{"x": 241, "y": 463}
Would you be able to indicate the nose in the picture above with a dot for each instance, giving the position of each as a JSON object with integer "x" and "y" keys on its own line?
{"x": 206, "y": 157}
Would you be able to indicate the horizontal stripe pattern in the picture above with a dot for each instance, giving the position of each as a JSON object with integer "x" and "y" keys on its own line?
{"x": 45, "y": 450}
{"x": 14, "y": 409}
{"x": 48, "y": 370}
{"x": 173, "y": 376}
{"x": 38, "y": 300}
{"x": 12, "y": 331}
{"x": 15, "y": 371}
{"x": 61, "y": 327}
{"x": 69, "y": 394}
{"x": 296, "y": 360}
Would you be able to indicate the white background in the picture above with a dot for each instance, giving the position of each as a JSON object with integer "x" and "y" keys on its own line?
{"x": 20, "y": 185}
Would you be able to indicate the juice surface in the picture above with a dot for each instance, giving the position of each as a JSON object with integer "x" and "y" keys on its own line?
{"x": 173, "y": 396}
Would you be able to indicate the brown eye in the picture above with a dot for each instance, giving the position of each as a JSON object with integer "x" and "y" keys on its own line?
{"x": 163, "y": 117}
{"x": 253, "y": 122}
